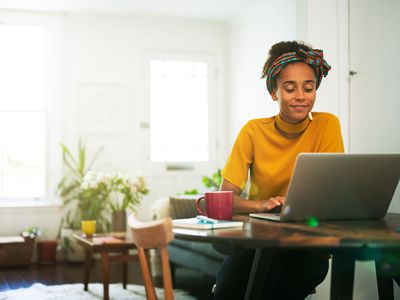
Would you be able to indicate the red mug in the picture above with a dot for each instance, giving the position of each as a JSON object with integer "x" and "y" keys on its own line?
{"x": 219, "y": 205}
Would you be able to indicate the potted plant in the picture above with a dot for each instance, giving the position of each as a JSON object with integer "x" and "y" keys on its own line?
{"x": 121, "y": 191}
{"x": 213, "y": 182}
{"x": 31, "y": 232}
{"x": 77, "y": 203}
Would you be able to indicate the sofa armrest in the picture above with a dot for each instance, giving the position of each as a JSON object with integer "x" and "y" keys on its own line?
{"x": 160, "y": 209}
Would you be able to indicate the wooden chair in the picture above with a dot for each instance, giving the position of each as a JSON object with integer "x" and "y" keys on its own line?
{"x": 153, "y": 235}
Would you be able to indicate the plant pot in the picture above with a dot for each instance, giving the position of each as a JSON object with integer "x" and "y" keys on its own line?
{"x": 89, "y": 227}
{"x": 47, "y": 252}
{"x": 73, "y": 252}
{"x": 118, "y": 221}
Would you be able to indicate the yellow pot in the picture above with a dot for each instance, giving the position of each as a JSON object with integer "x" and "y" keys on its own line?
{"x": 88, "y": 227}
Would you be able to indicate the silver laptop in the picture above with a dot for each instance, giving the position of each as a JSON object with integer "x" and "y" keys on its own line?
{"x": 333, "y": 186}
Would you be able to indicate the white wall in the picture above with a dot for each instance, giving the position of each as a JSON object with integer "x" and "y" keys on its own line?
{"x": 13, "y": 220}
{"x": 250, "y": 37}
{"x": 107, "y": 52}
{"x": 374, "y": 105}
{"x": 329, "y": 32}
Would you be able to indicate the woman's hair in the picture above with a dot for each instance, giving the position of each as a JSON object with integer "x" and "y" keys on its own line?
{"x": 279, "y": 49}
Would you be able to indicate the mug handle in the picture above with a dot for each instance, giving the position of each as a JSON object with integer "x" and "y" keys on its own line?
{"x": 198, "y": 206}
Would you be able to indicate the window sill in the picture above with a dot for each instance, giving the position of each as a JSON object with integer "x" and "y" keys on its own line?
{"x": 30, "y": 204}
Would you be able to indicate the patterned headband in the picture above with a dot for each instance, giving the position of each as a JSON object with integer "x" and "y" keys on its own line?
{"x": 314, "y": 58}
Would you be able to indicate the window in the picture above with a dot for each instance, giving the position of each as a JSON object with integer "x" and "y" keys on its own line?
{"x": 24, "y": 115}
{"x": 179, "y": 105}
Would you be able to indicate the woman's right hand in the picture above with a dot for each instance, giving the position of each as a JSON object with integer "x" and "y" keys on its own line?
{"x": 241, "y": 205}
{"x": 271, "y": 203}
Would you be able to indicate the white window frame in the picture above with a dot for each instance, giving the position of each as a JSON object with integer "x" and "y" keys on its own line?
{"x": 53, "y": 26}
{"x": 195, "y": 167}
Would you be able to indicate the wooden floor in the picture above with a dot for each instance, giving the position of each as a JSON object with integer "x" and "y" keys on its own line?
{"x": 195, "y": 283}
{"x": 12, "y": 278}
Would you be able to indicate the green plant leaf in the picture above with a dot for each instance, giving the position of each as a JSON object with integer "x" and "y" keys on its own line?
{"x": 82, "y": 158}
{"x": 94, "y": 158}
{"x": 191, "y": 192}
{"x": 68, "y": 159}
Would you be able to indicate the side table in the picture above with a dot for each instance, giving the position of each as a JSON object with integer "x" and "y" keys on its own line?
{"x": 106, "y": 244}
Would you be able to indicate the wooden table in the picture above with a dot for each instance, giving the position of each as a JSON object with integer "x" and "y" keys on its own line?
{"x": 347, "y": 241}
{"x": 105, "y": 245}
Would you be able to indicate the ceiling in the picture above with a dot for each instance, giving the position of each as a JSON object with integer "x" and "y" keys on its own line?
{"x": 203, "y": 9}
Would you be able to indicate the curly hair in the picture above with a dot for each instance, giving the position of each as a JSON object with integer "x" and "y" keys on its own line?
{"x": 279, "y": 49}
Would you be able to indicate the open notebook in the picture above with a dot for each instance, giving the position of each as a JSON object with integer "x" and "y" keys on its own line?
{"x": 333, "y": 186}
{"x": 196, "y": 223}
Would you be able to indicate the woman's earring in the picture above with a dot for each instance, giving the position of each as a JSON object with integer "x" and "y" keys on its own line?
{"x": 310, "y": 116}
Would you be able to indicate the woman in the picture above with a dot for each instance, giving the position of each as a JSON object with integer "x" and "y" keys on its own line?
{"x": 266, "y": 149}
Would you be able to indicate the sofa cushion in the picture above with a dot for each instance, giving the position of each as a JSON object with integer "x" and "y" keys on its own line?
{"x": 196, "y": 256}
{"x": 184, "y": 206}
{"x": 176, "y": 207}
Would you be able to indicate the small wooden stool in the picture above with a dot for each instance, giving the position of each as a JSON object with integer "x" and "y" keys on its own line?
{"x": 153, "y": 235}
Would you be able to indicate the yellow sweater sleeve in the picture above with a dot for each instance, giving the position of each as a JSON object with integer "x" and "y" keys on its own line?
{"x": 241, "y": 158}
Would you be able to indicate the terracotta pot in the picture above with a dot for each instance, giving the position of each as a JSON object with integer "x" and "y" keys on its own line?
{"x": 47, "y": 252}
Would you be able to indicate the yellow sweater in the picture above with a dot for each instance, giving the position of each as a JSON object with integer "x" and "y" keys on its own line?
{"x": 270, "y": 156}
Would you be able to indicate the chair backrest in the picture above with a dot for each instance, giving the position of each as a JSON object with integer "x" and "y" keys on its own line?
{"x": 153, "y": 235}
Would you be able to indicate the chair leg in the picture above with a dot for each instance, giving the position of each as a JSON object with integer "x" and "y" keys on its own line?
{"x": 148, "y": 282}
{"x": 169, "y": 293}
{"x": 125, "y": 271}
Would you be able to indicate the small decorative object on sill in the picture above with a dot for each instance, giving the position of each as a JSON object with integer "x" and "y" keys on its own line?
{"x": 89, "y": 227}
{"x": 118, "y": 221}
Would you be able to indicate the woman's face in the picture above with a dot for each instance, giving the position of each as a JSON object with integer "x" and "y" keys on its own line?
{"x": 295, "y": 92}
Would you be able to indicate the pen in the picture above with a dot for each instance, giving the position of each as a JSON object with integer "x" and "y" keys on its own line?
{"x": 207, "y": 220}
